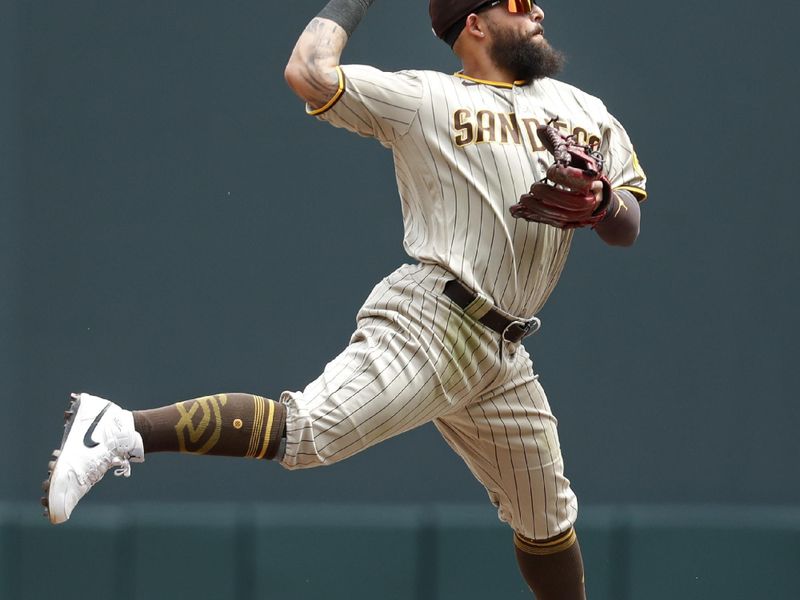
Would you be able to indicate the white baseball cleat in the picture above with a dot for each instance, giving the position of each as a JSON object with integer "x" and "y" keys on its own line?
{"x": 98, "y": 435}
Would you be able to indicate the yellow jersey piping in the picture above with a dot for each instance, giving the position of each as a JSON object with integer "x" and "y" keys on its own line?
{"x": 636, "y": 191}
{"x": 332, "y": 101}
{"x": 501, "y": 84}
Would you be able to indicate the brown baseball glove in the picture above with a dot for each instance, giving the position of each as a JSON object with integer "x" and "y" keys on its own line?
{"x": 575, "y": 192}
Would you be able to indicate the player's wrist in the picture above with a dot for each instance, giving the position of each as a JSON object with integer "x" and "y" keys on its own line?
{"x": 345, "y": 13}
{"x": 620, "y": 226}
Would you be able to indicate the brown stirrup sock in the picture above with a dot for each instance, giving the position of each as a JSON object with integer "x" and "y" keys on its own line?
{"x": 221, "y": 425}
{"x": 552, "y": 568}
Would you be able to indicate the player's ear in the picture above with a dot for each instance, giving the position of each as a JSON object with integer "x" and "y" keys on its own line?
{"x": 475, "y": 26}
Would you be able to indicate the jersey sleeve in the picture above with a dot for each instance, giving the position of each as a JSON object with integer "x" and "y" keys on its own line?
{"x": 622, "y": 165}
{"x": 373, "y": 103}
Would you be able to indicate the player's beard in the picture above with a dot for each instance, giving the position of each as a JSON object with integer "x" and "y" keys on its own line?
{"x": 525, "y": 58}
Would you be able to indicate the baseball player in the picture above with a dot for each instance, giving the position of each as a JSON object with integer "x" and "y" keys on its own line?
{"x": 497, "y": 166}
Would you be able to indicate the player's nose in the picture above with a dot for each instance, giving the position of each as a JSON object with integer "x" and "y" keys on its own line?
{"x": 537, "y": 14}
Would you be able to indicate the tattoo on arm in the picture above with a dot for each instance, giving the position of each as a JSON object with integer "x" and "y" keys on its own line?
{"x": 316, "y": 56}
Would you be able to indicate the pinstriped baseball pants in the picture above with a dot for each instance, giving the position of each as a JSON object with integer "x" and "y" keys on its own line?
{"x": 416, "y": 357}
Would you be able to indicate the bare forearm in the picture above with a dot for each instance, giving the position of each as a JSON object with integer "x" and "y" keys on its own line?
{"x": 621, "y": 226}
{"x": 311, "y": 70}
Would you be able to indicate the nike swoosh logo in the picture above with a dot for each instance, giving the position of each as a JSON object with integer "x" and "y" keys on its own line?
{"x": 87, "y": 439}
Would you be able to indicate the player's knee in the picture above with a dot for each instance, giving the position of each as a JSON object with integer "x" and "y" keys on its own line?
{"x": 313, "y": 438}
{"x": 301, "y": 448}
{"x": 559, "y": 514}
{"x": 304, "y": 456}
{"x": 305, "y": 448}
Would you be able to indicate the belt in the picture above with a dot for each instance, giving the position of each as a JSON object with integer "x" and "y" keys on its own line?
{"x": 512, "y": 330}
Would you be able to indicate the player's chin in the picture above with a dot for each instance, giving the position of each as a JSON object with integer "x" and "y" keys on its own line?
{"x": 536, "y": 41}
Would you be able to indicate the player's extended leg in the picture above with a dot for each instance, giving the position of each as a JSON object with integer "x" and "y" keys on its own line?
{"x": 99, "y": 435}
{"x": 413, "y": 359}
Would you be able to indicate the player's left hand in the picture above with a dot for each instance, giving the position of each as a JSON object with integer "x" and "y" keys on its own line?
{"x": 575, "y": 192}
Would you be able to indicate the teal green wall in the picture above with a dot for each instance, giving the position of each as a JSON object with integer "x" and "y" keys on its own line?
{"x": 437, "y": 552}
{"x": 173, "y": 225}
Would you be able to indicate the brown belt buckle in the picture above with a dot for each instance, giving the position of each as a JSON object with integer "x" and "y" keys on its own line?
{"x": 525, "y": 327}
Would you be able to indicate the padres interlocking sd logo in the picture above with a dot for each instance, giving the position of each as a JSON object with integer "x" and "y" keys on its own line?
{"x": 200, "y": 423}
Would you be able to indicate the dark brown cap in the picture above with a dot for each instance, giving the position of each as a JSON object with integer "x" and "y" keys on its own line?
{"x": 446, "y": 14}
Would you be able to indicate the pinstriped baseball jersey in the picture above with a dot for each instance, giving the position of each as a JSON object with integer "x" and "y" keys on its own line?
{"x": 464, "y": 151}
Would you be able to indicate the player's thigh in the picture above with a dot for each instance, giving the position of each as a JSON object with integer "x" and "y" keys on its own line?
{"x": 381, "y": 385}
{"x": 414, "y": 357}
{"x": 509, "y": 440}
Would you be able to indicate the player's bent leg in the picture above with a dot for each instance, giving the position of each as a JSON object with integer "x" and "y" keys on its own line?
{"x": 99, "y": 435}
{"x": 509, "y": 441}
{"x": 552, "y": 568}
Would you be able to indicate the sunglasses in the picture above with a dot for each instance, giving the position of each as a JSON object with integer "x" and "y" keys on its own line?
{"x": 521, "y": 7}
